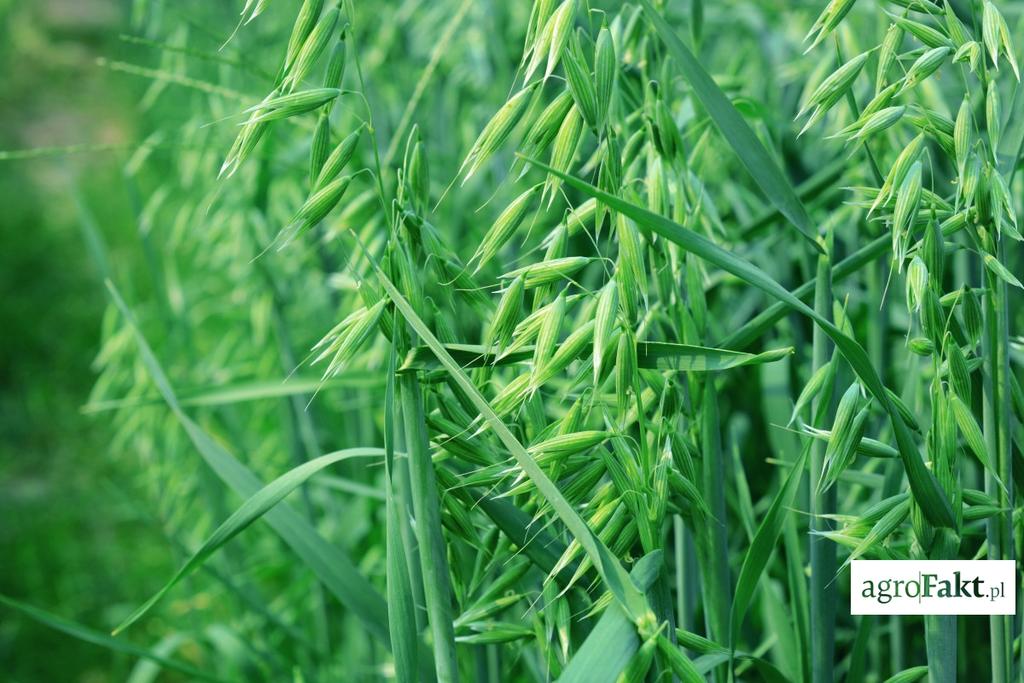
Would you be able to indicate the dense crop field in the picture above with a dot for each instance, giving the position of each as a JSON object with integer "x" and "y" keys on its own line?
{"x": 562, "y": 339}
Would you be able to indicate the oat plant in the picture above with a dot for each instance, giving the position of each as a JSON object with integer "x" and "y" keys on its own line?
{"x": 572, "y": 340}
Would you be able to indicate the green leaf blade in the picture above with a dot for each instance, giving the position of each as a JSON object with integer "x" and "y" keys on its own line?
{"x": 734, "y": 128}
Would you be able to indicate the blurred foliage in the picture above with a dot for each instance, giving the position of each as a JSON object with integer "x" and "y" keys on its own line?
{"x": 70, "y": 539}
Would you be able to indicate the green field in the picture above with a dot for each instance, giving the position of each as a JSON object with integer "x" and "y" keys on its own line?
{"x": 471, "y": 340}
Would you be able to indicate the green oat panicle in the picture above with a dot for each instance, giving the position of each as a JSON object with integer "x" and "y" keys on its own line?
{"x": 609, "y": 176}
{"x": 606, "y": 69}
{"x": 971, "y": 53}
{"x": 881, "y": 530}
{"x": 930, "y": 36}
{"x": 543, "y": 131}
{"x": 943, "y": 435}
{"x": 828, "y": 20}
{"x": 320, "y": 147}
{"x": 917, "y": 283}
{"x": 570, "y": 350}
{"x": 547, "y": 334}
{"x": 959, "y": 374}
{"x": 934, "y": 249}
{"x": 840, "y": 81}
{"x": 315, "y": 209}
{"x": 967, "y": 191}
{"x": 417, "y": 171}
{"x": 872, "y": 123}
{"x": 335, "y": 73}
{"x": 925, "y": 66}
{"x": 995, "y": 266}
{"x": 497, "y": 131}
{"x": 548, "y": 272}
{"x": 881, "y": 99}
{"x": 312, "y": 48}
{"x": 972, "y": 316}
{"x": 292, "y": 104}
{"x": 250, "y": 135}
{"x": 570, "y": 444}
{"x": 894, "y": 180}
{"x": 625, "y": 370}
{"x": 560, "y": 28}
{"x": 252, "y": 9}
{"x": 993, "y": 117}
{"x": 933, "y": 317}
{"x": 887, "y": 54}
{"x": 538, "y": 37}
{"x": 996, "y": 35}
{"x": 971, "y": 432}
{"x": 605, "y": 323}
{"x": 1003, "y": 207}
{"x": 819, "y": 379}
{"x": 304, "y": 23}
{"x": 338, "y": 159}
{"x": 668, "y": 140}
{"x": 956, "y": 29}
{"x": 563, "y": 150}
{"x": 506, "y": 315}
{"x": 526, "y": 330}
{"x": 846, "y": 433}
{"x": 581, "y": 82}
{"x": 962, "y": 134}
{"x": 504, "y": 227}
{"x": 342, "y": 343}
{"x": 935, "y": 123}
{"x": 539, "y": 14}
{"x": 908, "y": 199}
{"x": 921, "y": 346}
{"x": 629, "y": 269}
{"x": 833, "y": 88}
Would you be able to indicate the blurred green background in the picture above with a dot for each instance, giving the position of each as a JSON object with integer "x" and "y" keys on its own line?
{"x": 63, "y": 502}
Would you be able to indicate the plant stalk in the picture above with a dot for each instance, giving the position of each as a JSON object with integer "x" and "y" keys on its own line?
{"x": 427, "y": 508}
{"x": 822, "y": 551}
{"x": 997, "y": 427}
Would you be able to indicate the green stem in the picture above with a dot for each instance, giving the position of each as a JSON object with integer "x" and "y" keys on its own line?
{"x": 822, "y": 551}
{"x": 940, "y": 644}
{"x": 897, "y": 651}
{"x": 402, "y": 623}
{"x": 427, "y": 508}
{"x": 715, "y": 582}
{"x": 798, "y": 599}
{"x": 997, "y": 421}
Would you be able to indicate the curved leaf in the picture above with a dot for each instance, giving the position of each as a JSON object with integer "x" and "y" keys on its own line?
{"x": 734, "y": 128}
{"x": 762, "y": 547}
{"x": 252, "y": 509}
{"x": 330, "y": 565}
